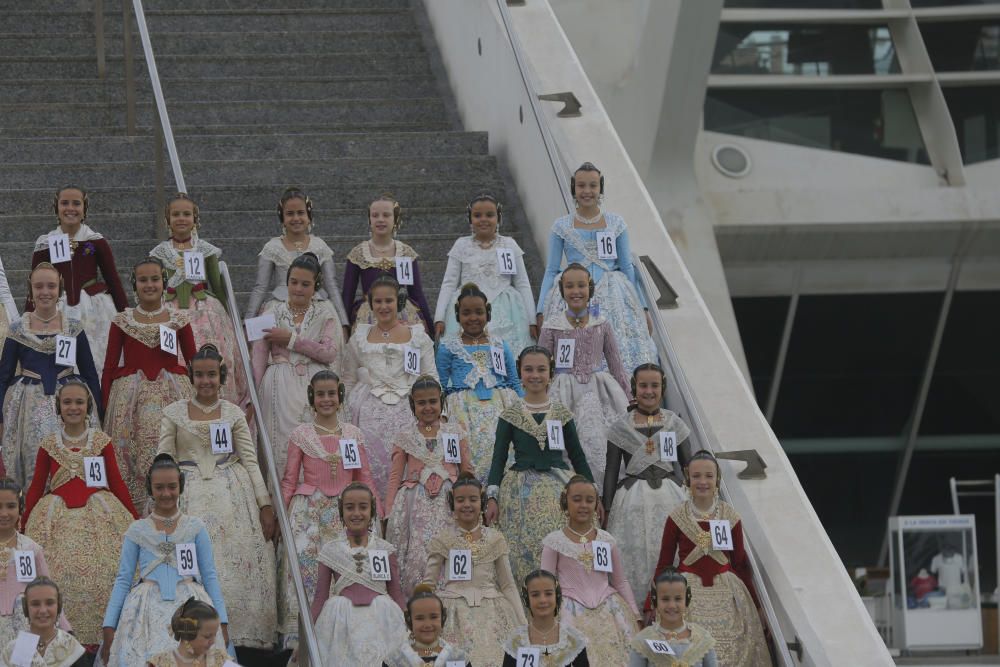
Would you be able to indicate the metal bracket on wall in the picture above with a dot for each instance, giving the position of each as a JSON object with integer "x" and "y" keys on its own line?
{"x": 515, "y": 3}
{"x": 796, "y": 647}
{"x": 755, "y": 464}
{"x": 572, "y": 108}
{"x": 668, "y": 297}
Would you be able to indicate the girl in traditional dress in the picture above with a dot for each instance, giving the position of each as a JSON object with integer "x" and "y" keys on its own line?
{"x": 12, "y": 616}
{"x": 82, "y": 523}
{"x": 478, "y": 385}
{"x": 90, "y": 298}
{"x": 225, "y": 489}
{"x": 689, "y": 643}
{"x": 315, "y": 453}
{"x": 652, "y": 486}
{"x": 31, "y": 367}
{"x": 8, "y": 309}
{"x": 599, "y": 241}
{"x": 202, "y": 295}
{"x": 194, "y": 625}
{"x": 306, "y": 339}
{"x": 581, "y": 342}
{"x": 495, "y": 263}
{"x": 151, "y": 376}
{"x": 295, "y": 213}
{"x": 42, "y": 604}
{"x": 382, "y": 255}
{"x": 359, "y": 618}
{"x": 723, "y": 598}
{"x": 137, "y": 621}
{"x": 557, "y": 644}
{"x": 426, "y": 461}
{"x": 524, "y": 501}
{"x": 479, "y": 593}
{"x": 597, "y": 598}
{"x": 382, "y": 362}
{"x": 426, "y": 616}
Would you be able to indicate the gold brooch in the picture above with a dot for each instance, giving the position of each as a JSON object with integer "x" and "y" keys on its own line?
{"x": 704, "y": 540}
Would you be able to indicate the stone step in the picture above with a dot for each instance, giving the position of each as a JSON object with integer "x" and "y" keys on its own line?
{"x": 233, "y": 147}
{"x": 291, "y": 111}
{"x": 216, "y": 43}
{"x": 317, "y": 65}
{"x": 221, "y": 20}
{"x": 147, "y": 130}
{"x": 115, "y": 6}
{"x": 431, "y": 193}
{"x": 112, "y": 90}
{"x": 376, "y": 173}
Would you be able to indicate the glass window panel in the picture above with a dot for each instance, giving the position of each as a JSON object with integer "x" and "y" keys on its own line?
{"x": 950, "y": 3}
{"x": 803, "y": 4}
{"x": 877, "y": 123}
{"x": 821, "y": 50}
{"x": 961, "y": 46}
{"x": 854, "y": 364}
{"x": 965, "y": 393}
{"x": 975, "y": 111}
{"x": 761, "y": 321}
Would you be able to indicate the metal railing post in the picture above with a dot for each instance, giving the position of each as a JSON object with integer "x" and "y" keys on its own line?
{"x": 102, "y": 65}
{"x": 129, "y": 70}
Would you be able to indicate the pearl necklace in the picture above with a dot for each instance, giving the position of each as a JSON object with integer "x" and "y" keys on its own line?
{"x": 150, "y": 313}
{"x": 378, "y": 251}
{"x": 207, "y": 409}
{"x": 424, "y": 650}
{"x": 69, "y": 440}
{"x": 538, "y": 407}
{"x": 332, "y": 431}
{"x": 672, "y": 634}
{"x": 589, "y": 221}
{"x": 296, "y": 312}
{"x": 167, "y": 521}
{"x": 707, "y": 514}
{"x": 582, "y": 536}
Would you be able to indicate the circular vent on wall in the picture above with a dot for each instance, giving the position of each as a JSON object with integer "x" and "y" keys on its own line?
{"x": 731, "y": 160}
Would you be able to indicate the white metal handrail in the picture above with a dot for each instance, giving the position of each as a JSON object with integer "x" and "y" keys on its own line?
{"x": 306, "y": 630}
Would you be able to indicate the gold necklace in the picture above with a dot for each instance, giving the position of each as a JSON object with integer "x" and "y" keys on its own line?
{"x": 207, "y": 409}
{"x": 582, "y": 536}
{"x": 296, "y": 312}
{"x": 672, "y": 634}
{"x": 150, "y": 313}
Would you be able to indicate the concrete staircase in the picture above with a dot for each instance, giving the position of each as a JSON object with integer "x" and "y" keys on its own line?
{"x": 339, "y": 97}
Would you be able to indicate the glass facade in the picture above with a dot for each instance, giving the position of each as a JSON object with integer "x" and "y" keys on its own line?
{"x": 962, "y": 46}
{"x": 803, "y": 4}
{"x": 975, "y": 111}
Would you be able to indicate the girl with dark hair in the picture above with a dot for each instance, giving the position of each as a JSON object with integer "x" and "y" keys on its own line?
{"x": 426, "y": 460}
{"x": 721, "y": 582}
{"x": 524, "y": 500}
{"x": 175, "y": 561}
{"x": 426, "y": 616}
{"x": 149, "y": 340}
{"x": 495, "y": 263}
{"x": 328, "y": 455}
{"x": 670, "y": 596}
{"x": 649, "y": 442}
{"x": 42, "y": 604}
{"x": 193, "y": 286}
{"x": 383, "y": 255}
{"x": 225, "y": 489}
{"x": 295, "y": 214}
{"x": 87, "y": 267}
{"x": 547, "y": 640}
{"x": 86, "y": 510}
{"x": 358, "y": 606}
{"x": 43, "y": 350}
{"x": 194, "y": 626}
{"x": 469, "y": 564}
{"x": 479, "y": 375}
{"x": 381, "y": 364}
{"x": 306, "y": 339}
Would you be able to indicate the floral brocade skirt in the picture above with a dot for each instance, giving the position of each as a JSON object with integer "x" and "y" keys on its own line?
{"x": 379, "y": 422}
{"x": 529, "y": 510}
{"x": 478, "y": 630}
{"x": 210, "y": 323}
{"x": 727, "y": 611}
{"x": 415, "y": 518}
{"x": 608, "y": 628}
{"x": 479, "y": 419}
{"x": 594, "y": 404}
{"x": 636, "y": 520}
{"x": 95, "y": 314}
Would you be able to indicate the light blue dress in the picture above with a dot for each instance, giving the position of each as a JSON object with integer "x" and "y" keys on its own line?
{"x": 616, "y": 294}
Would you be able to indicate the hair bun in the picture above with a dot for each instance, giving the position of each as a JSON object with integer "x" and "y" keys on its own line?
{"x": 422, "y": 588}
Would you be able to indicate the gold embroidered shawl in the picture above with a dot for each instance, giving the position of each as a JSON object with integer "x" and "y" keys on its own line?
{"x": 700, "y": 644}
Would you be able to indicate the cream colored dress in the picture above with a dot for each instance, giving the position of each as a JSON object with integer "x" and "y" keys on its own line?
{"x": 63, "y": 651}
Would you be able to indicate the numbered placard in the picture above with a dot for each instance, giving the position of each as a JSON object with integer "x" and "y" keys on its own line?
{"x": 455, "y": 663}
{"x": 24, "y": 565}
{"x": 565, "y": 352}
{"x": 668, "y": 445}
{"x": 168, "y": 340}
{"x": 554, "y": 430}
{"x": 221, "y": 434}
{"x": 378, "y": 561}
{"x": 452, "y": 450}
{"x": 350, "y": 455}
{"x": 529, "y": 656}
{"x": 498, "y": 359}
{"x": 25, "y": 647}
{"x": 404, "y": 270}
{"x": 94, "y": 472}
{"x": 194, "y": 266}
{"x": 602, "y": 555}
{"x": 460, "y": 565}
{"x": 187, "y": 559}
{"x": 411, "y": 359}
{"x": 660, "y": 646}
{"x": 230, "y": 663}
{"x": 66, "y": 350}
{"x": 505, "y": 262}
{"x": 606, "y": 246}
{"x": 59, "y": 248}
{"x": 722, "y": 535}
